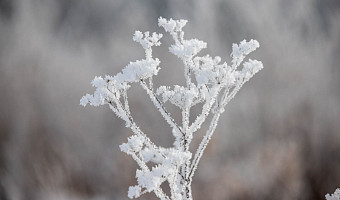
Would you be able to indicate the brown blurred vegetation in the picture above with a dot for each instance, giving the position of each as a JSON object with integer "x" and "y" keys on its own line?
{"x": 278, "y": 139}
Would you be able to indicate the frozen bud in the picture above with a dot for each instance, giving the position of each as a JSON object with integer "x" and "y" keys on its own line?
{"x": 85, "y": 99}
{"x": 168, "y": 25}
{"x": 217, "y": 59}
{"x": 188, "y": 48}
{"x": 136, "y": 143}
{"x": 98, "y": 82}
{"x": 161, "y": 21}
{"x": 335, "y": 196}
{"x": 134, "y": 191}
{"x": 251, "y": 67}
{"x": 244, "y": 48}
{"x": 137, "y": 36}
{"x": 172, "y": 25}
{"x": 125, "y": 147}
{"x": 180, "y": 24}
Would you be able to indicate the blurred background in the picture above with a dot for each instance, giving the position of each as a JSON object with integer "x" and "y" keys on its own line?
{"x": 278, "y": 139}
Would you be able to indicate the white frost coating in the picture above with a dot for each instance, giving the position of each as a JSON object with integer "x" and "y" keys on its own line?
{"x": 135, "y": 144}
{"x": 134, "y": 191}
{"x": 188, "y": 48}
{"x": 172, "y": 25}
{"x": 149, "y": 155}
{"x": 250, "y": 68}
{"x": 208, "y": 71}
{"x": 213, "y": 84}
{"x": 335, "y": 196}
{"x": 135, "y": 71}
{"x": 243, "y": 49}
{"x": 179, "y": 96}
{"x": 146, "y": 40}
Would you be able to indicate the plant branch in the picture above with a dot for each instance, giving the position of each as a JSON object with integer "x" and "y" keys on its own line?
{"x": 159, "y": 105}
{"x": 203, "y": 145}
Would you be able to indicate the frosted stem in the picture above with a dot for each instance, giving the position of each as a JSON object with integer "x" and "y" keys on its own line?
{"x": 136, "y": 130}
{"x": 205, "y": 110}
{"x": 203, "y": 145}
{"x": 159, "y": 105}
{"x": 205, "y": 78}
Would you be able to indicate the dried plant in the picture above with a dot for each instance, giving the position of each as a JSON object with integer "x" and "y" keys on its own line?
{"x": 208, "y": 81}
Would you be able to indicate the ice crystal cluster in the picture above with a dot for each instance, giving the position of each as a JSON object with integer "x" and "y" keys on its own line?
{"x": 335, "y": 196}
{"x": 208, "y": 81}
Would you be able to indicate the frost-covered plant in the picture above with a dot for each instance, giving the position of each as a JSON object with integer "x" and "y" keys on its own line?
{"x": 335, "y": 196}
{"x": 208, "y": 81}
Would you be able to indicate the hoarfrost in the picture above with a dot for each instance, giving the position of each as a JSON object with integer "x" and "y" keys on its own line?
{"x": 214, "y": 86}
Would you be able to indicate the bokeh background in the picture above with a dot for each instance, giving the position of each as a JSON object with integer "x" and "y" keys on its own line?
{"x": 278, "y": 139}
